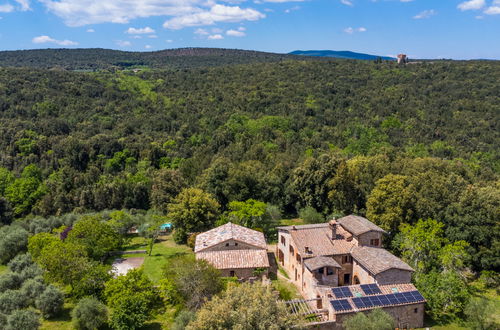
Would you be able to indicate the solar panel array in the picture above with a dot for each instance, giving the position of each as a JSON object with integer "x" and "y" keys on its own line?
{"x": 342, "y": 292}
{"x": 388, "y": 299}
{"x": 341, "y": 305}
{"x": 369, "y": 289}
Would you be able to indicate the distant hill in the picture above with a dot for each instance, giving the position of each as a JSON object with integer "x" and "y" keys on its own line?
{"x": 340, "y": 54}
{"x": 98, "y": 59}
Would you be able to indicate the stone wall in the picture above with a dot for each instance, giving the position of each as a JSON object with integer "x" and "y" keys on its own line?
{"x": 364, "y": 239}
{"x": 241, "y": 273}
{"x": 362, "y": 274}
{"x": 394, "y": 276}
{"x": 408, "y": 316}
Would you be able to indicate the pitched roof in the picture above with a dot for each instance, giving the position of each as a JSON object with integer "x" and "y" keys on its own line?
{"x": 234, "y": 259}
{"x": 320, "y": 262}
{"x": 227, "y": 232}
{"x": 378, "y": 260}
{"x": 358, "y": 225}
{"x": 317, "y": 238}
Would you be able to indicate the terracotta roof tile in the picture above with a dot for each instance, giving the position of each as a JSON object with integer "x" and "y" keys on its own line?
{"x": 378, "y": 260}
{"x": 227, "y": 232}
{"x": 234, "y": 259}
{"x": 358, "y": 225}
{"x": 320, "y": 262}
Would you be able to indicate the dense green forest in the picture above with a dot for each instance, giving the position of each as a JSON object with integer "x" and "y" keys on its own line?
{"x": 91, "y": 59}
{"x": 414, "y": 148}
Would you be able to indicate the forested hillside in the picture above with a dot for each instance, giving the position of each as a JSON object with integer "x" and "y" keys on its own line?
{"x": 100, "y": 59}
{"x": 85, "y": 156}
{"x": 395, "y": 143}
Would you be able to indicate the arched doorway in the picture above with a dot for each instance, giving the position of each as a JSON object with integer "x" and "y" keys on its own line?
{"x": 356, "y": 279}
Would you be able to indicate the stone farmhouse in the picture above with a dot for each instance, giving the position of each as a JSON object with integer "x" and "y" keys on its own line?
{"x": 341, "y": 268}
{"x": 235, "y": 250}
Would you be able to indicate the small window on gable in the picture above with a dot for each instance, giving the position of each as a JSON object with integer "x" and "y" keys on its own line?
{"x": 346, "y": 259}
{"x": 227, "y": 244}
{"x": 375, "y": 242}
{"x": 236, "y": 244}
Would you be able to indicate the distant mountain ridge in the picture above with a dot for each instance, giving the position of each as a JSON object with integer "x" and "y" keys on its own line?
{"x": 340, "y": 54}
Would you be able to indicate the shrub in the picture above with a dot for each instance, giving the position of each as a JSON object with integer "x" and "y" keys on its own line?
{"x": 183, "y": 319}
{"x": 3, "y": 321}
{"x": 480, "y": 314}
{"x": 20, "y": 262}
{"x": 89, "y": 314}
{"x": 10, "y": 281}
{"x": 130, "y": 312}
{"x": 33, "y": 288}
{"x": 13, "y": 239}
{"x": 377, "y": 319}
{"x": 31, "y": 271}
{"x": 490, "y": 278}
{"x": 50, "y": 302}
{"x": 11, "y": 300}
{"x": 25, "y": 319}
{"x": 310, "y": 215}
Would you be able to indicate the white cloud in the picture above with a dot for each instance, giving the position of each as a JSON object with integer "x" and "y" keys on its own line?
{"x": 90, "y": 30}
{"x": 47, "y": 39}
{"x": 215, "y": 37}
{"x": 218, "y": 13}
{"x": 201, "y": 32}
{"x": 217, "y": 30}
{"x": 493, "y": 10}
{"x": 242, "y": 28}
{"x": 152, "y": 36}
{"x": 289, "y": 10}
{"x": 148, "y": 47}
{"x": 351, "y": 30}
{"x": 235, "y": 33}
{"x": 145, "y": 30}
{"x": 281, "y": 1}
{"x": 169, "y": 41}
{"x": 123, "y": 43}
{"x": 425, "y": 14}
{"x": 7, "y": 8}
{"x": 347, "y": 2}
{"x": 84, "y": 12}
{"x": 471, "y": 5}
{"x": 25, "y": 5}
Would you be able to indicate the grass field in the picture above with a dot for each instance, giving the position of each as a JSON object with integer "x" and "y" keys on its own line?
{"x": 3, "y": 269}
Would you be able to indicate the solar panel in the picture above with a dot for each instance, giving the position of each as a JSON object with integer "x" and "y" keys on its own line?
{"x": 388, "y": 299}
{"x": 341, "y": 305}
{"x": 369, "y": 289}
{"x": 342, "y": 292}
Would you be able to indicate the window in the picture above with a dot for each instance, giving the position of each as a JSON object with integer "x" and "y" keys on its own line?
{"x": 346, "y": 259}
{"x": 283, "y": 240}
{"x": 227, "y": 244}
{"x": 415, "y": 310}
{"x": 231, "y": 273}
{"x": 298, "y": 257}
{"x": 235, "y": 244}
{"x": 330, "y": 271}
{"x": 292, "y": 252}
{"x": 375, "y": 242}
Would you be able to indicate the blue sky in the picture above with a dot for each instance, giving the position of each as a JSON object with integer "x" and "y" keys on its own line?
{"x": 459, "y": 29}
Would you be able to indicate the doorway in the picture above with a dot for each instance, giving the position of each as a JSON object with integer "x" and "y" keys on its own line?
{"x": 347, "y": 279}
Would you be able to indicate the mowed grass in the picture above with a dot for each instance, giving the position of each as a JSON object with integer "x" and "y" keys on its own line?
{"x": 3, "y": 269}
{"x": 164, "y": 249}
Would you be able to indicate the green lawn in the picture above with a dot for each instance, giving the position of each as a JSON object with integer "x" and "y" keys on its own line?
{"x": 3, "y": 269}
{"x": 163, "y": 249}
{"x": 291, "y": 222}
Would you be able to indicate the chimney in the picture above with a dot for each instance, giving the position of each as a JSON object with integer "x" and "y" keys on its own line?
{"x": 333, "y": 228}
